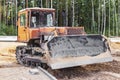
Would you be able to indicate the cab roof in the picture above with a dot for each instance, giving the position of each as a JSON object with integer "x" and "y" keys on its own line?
{"x": 37, "y": 8}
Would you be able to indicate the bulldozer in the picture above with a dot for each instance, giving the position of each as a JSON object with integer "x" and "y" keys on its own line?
{"x": 56, "y": 47}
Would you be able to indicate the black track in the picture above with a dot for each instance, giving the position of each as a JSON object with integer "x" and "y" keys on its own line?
{"x": 23, "y": 53}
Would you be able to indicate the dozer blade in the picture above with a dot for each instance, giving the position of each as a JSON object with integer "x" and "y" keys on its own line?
{"x": 69, "y": 51}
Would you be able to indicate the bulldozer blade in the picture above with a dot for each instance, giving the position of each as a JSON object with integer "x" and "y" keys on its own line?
{"x": 60, "y": 63}
{"x": 74, "y": 50}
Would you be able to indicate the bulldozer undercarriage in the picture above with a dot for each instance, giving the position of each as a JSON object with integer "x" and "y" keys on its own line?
{"x": 30, "y": 56}
{"x": 62, "y": 50}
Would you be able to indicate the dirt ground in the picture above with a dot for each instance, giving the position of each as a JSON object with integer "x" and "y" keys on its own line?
{"x": 103, "y": 71}
{"x": 7, "y": 54}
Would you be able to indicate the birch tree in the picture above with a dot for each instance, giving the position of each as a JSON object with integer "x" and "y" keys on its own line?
{"x": 93, "y": 24}
{"x": 115, "y": 17}
{"x": 66, "y": 12}
{"x": 99, "y": 16}
{"x": 102, "y": 22}
{"x": 57, "y": 11}
{"x": 109, "y": 19}
{"x": 73, "y": 11}
{"x": 41, "y": 3}
{"x": 104, "y": 7}
{"x": 119, "y": 16}
{"x": 113, "y": 12}
{"x": 51, "y": 3}
{"x": 0, "y": 11}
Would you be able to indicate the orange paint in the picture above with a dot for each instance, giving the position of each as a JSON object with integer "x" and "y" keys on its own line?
{"x": 25, "y": 32}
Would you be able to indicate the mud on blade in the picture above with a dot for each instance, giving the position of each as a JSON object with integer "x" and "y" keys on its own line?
{"x": 73, "y": 46}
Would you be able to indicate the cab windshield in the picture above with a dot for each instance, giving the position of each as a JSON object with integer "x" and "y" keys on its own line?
{"x": 41, "y": 19}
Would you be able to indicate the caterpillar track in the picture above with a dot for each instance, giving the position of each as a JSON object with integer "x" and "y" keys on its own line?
{"x": 30, "y": 56}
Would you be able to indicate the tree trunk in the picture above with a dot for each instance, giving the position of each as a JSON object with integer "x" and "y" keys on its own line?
{"x": 0, "y": 11}
{"x": 26, "y": 3}
{"x": 5, "y": 12}
{"x": 113, "y": 12}
{"x": 109, "y": 19}
{"x": 41, "y": 3}
{"x": 116, "y": 20}
{"x": 57, "y": 11}
{"x": 119, "y": 16}
{"x": 51, "y": 3}
{"x": 93, "y": 25}
{"x": 99, "y": 18}
{"x": 104, "y": 29}
{"x": 46, "y": 3}
{"x": 73, "y": 7}
{"x": 102, "y": 22}
{"x": 66, "y": 12}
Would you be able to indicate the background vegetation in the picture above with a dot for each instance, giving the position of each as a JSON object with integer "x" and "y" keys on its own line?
{"x": 97, "y": 16}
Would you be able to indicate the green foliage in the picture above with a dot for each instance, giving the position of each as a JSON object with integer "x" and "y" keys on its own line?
{"x": 7, "y": 30}
{"x": 83, "y": 14}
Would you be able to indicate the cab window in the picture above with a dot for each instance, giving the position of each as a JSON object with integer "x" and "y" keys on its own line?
{"x": 22, "y": 20}
{"x": 41, "y": 19}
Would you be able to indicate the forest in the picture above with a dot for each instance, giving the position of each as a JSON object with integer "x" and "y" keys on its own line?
{"x": 96, "y": 16}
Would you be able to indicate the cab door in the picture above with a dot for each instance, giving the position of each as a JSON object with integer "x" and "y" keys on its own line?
{"x": 22, "y": 27}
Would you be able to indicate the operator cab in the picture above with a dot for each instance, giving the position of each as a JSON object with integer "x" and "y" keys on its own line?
{"x": 30, "y": 20}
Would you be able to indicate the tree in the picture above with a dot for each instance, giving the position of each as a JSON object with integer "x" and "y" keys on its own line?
{"x": 97, "y": 16}
{"x": 93, "y": 21}
{"x": 0, "y": 11}
{"x": 119, "y": 16}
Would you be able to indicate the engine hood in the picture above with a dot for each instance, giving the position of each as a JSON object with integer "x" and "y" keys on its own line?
{"x": 36, "y": 32}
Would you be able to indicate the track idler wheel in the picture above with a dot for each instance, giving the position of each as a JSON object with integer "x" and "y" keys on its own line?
{"x": 20, "y": 56}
